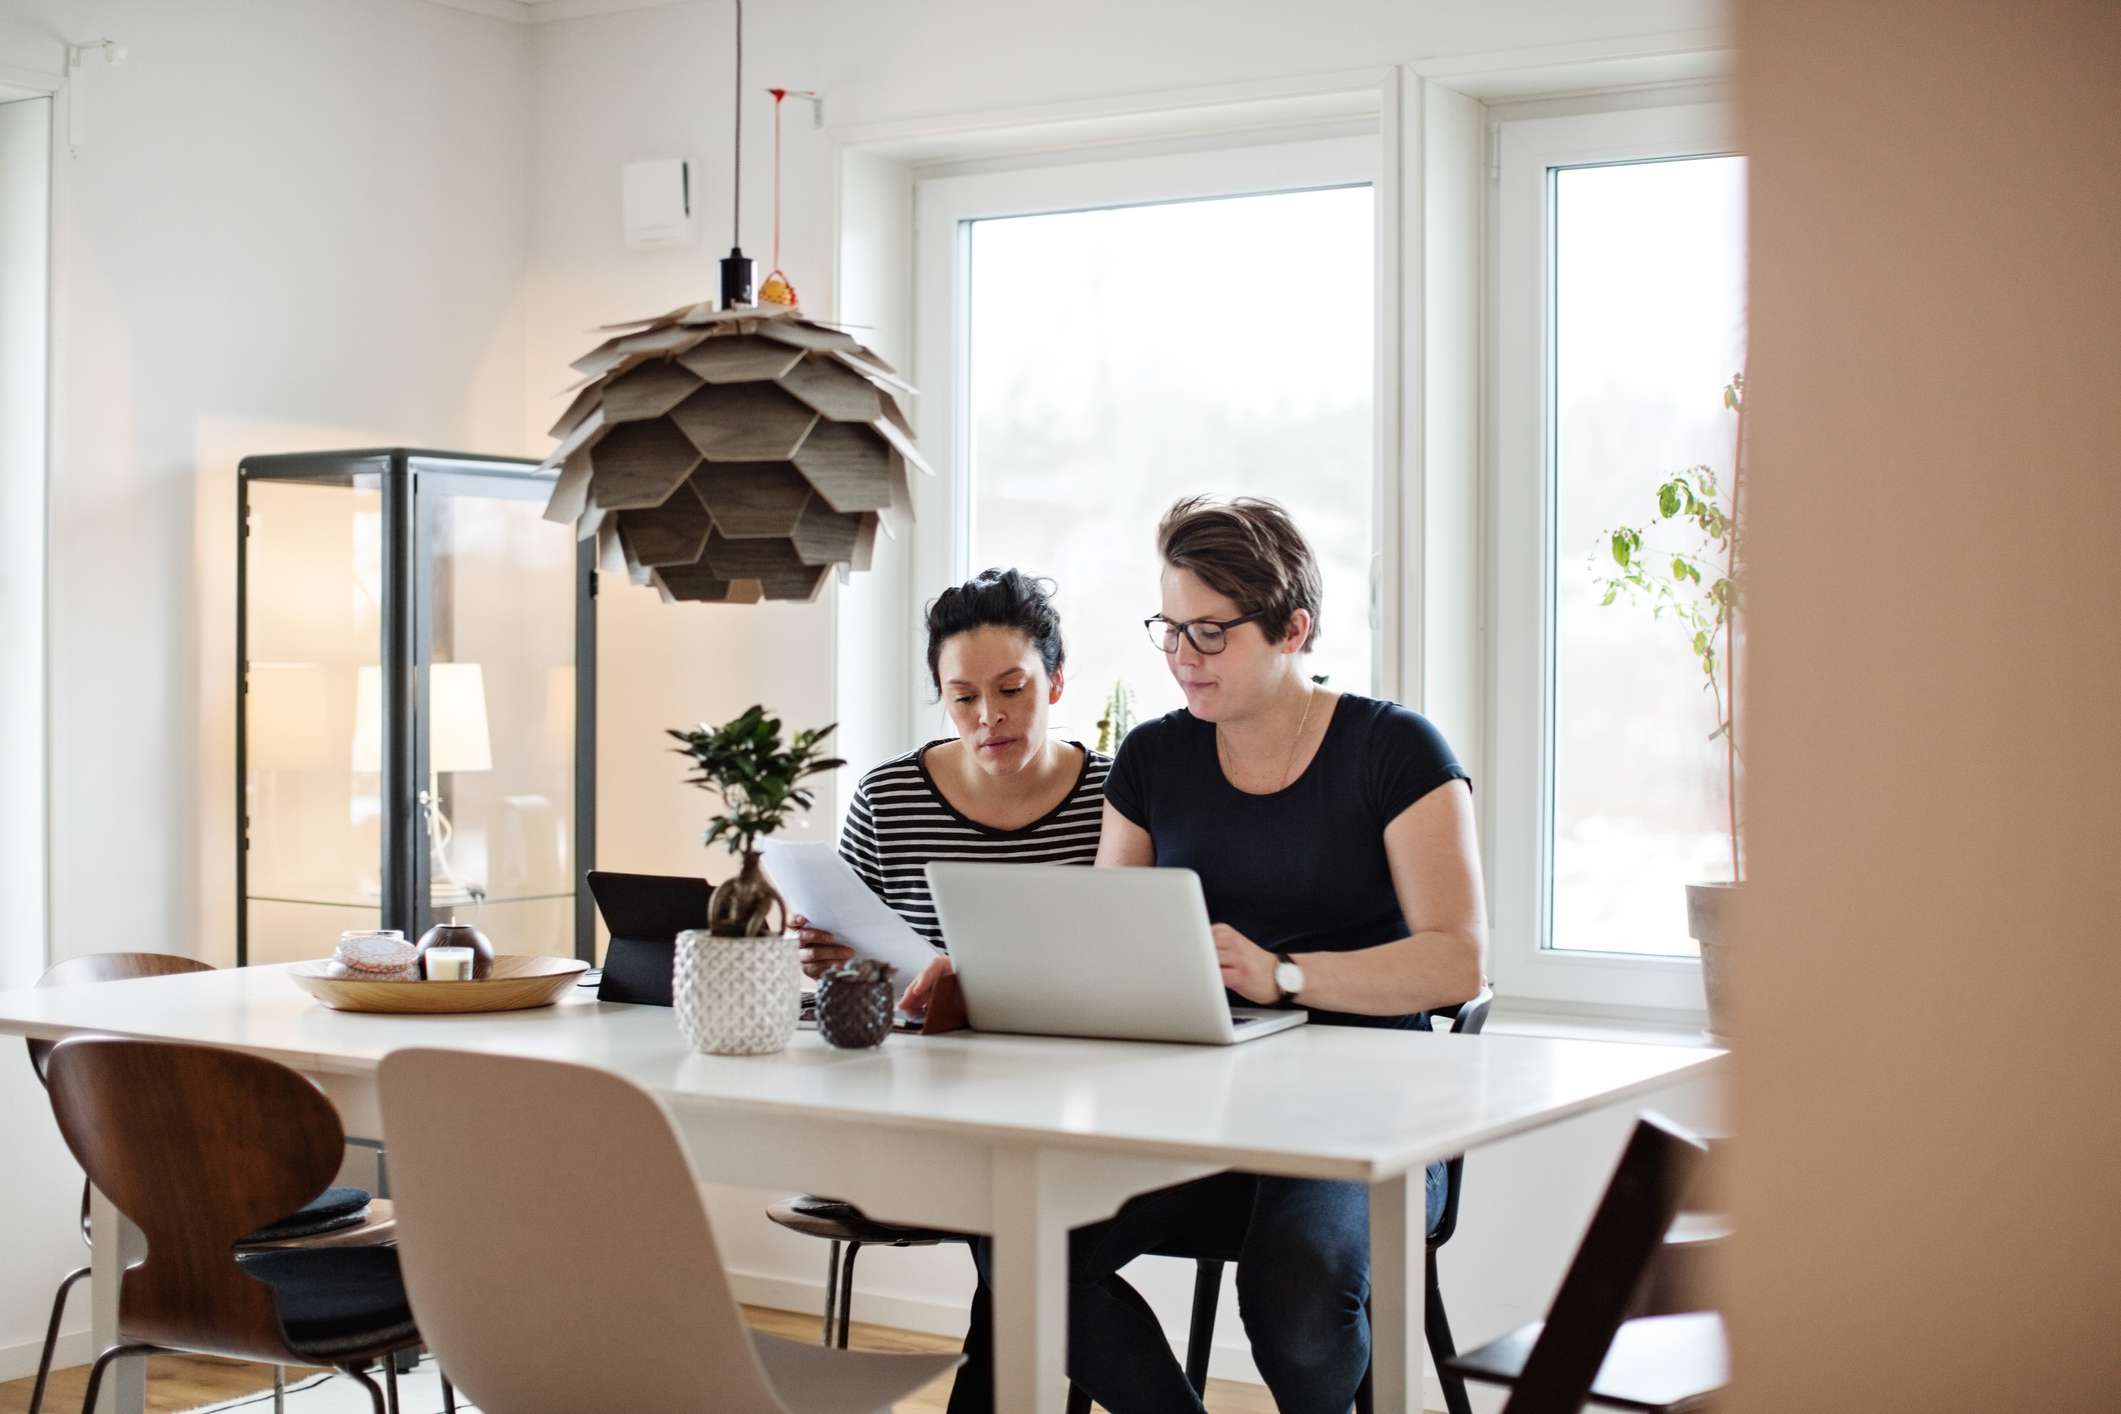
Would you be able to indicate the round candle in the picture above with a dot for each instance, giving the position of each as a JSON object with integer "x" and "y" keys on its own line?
{"x": 448, "y": 964}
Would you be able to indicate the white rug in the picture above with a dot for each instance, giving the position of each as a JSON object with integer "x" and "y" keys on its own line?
{"x": 419, "y": 1392}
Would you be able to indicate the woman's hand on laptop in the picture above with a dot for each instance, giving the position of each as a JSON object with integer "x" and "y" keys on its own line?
{"x": 1248, "y": 968}
{"x": 916, "y": 999}
{"x": 818, "y": 950}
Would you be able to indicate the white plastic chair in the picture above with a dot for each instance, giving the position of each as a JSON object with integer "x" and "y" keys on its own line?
{"x": 558, "y": 1255}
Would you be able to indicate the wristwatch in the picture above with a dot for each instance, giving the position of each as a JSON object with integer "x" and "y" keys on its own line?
{"x": 1288, "y": 978}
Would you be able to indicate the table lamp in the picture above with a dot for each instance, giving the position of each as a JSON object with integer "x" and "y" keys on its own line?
{"x": 457, "y": 740}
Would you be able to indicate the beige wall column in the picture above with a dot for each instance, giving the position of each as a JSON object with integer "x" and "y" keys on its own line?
{"x": 1929, "y": 1089}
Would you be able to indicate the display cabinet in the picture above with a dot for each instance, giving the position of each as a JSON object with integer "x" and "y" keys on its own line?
{"x": 416, "y": 661}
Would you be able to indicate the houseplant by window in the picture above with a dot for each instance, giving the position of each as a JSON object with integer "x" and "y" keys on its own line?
{"x": 737, "y": 987}
{"x": 1687, "y": 567}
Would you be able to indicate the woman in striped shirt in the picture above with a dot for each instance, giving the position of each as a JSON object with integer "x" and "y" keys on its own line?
{"x": 1003, "y": 791}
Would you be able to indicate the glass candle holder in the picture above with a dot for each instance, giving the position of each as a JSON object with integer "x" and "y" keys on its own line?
{"x": 448, "y": 964}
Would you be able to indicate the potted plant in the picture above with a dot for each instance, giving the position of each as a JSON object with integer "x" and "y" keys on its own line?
{"x": 736, "y": 986}
{"x": 1118, "y": 720}
{"x": 1699, "y": 584}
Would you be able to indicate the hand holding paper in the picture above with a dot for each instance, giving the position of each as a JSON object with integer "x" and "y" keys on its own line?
{"x": 817, "y": 884}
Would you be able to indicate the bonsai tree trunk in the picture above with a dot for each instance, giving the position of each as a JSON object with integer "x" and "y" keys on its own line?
{"x": 743, "y": 907}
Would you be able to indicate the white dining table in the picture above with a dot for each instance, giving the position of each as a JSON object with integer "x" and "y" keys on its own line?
{"x": 1020, "y": 1137}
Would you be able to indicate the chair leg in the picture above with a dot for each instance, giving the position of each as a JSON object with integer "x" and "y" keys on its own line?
{"x": 832, "y": 1288}
{"x": 449, "y": 1396}
{"x": 51, "y": 1337}
{"x": 390, "y": 1381}
{"x": 1200, "y": 1335}
{"x": 1442, "y": 1347}
{"x": 847, "y": 1293}
{"x": 279, "y": 1389}
{"x": 95, "y": 1371}
{"x": 359, "y": 1375}
{"x": 1078, "y": 1399}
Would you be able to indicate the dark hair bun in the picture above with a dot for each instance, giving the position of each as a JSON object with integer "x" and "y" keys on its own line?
{"x": 996, "y": 598}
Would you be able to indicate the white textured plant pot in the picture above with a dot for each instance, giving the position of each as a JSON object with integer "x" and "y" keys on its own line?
{"x": 736, "y": 996}
{"x": 1712, "y": 920}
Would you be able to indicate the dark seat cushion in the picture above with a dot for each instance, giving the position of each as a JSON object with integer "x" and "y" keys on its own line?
{"x": 336, "y": 1302}
{"x": 843, "y": 1222}
{"x": 329, "y": 1211}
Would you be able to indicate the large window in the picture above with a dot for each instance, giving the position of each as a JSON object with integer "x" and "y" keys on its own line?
{"x": 1133, "y": 332}
{"x": 1620, "y": 321}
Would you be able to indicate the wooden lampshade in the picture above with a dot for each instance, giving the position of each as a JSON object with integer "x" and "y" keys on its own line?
{"x": 734, "y": 455}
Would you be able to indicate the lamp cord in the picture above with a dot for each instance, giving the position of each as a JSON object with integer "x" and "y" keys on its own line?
{"x": 736, "y": 204}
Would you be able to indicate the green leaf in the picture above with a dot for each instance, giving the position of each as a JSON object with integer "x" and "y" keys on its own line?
{"x": 1679, "y": 569}
{"x": 1668, "y": 499}
{"x": 1610, "y": 591}
{"x": 1620, "y": 548}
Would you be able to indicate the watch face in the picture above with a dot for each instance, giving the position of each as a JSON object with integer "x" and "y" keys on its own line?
{"x": 1289, "y": 977}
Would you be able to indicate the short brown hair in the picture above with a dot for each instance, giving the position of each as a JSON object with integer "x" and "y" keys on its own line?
{"x": 1248, "y": 550}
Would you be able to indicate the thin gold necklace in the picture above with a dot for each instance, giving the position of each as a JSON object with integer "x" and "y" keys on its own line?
{"x": 1223, "y": 754}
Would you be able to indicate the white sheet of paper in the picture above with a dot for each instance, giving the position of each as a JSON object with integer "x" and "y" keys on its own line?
{"x": 818, "y": 884}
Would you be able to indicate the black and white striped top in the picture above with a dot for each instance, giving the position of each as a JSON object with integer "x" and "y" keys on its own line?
{"x": 899, "y": 821}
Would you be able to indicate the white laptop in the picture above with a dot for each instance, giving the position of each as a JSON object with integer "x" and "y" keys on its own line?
{"x": 1056, "y": 950}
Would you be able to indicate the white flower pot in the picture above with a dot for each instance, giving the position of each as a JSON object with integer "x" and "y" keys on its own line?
{"x": 1712, "y": 915}
{"x": 736, "y": 996}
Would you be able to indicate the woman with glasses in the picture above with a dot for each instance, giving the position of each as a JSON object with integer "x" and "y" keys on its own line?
{"x": 1333, "y": 835}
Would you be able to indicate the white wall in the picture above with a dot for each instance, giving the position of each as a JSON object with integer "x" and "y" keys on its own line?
{"x": 287, "y": 226}
{"x": 25, "y": 287}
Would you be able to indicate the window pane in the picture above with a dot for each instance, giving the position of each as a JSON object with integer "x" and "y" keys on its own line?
{"x": 1649, "y": 325}
{"x": 1123, "y": 358}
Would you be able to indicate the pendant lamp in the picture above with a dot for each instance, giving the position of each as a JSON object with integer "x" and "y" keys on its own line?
{"x": 733, "y": 454}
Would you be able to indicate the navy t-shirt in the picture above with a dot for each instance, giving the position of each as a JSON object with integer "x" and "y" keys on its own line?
{"x": 1302, "y": 869}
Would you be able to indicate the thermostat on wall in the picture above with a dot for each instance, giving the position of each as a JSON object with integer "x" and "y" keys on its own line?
{"x": 657, "y": 199}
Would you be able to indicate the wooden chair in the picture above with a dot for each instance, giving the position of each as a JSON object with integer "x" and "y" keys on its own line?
{"x": 515, "y": 1277}
{"x": 1587, "y": 1350}
{"x": 1467, "y": 1019}
{"x": 337, "y": 1215}
{"x": 201, "y": 1148}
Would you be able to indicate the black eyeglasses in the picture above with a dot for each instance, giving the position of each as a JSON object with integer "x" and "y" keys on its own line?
{"x": 1206, "y": 635}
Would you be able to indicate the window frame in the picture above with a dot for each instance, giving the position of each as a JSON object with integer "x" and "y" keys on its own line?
{"x": 1521, "y": 492}
{"x": 945, "y": 205}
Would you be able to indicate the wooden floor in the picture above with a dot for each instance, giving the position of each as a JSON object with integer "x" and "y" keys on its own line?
{"x": 178, "y": 1382}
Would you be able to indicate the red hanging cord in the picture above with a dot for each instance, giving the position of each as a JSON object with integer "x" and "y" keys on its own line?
{"x": 777, "y": 289}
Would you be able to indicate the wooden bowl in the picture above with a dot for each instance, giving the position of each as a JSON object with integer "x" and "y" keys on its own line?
{"x": 517, "y": 983}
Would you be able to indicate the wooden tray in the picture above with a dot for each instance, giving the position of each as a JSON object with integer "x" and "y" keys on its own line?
{"x": 517, "y": 983}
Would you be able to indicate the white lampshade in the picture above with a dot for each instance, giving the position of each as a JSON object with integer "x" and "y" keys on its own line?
{"x": 287, "y": 726}
{"x": 457, "y": 739}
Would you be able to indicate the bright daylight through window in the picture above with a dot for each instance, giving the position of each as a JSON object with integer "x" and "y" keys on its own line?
{"x": 1124, "y": 357}
{"x": 1648, "y": 328}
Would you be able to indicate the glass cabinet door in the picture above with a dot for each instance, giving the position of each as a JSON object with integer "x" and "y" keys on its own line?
{"x": 499, "y": 623}
{"x": 312, "y": 785}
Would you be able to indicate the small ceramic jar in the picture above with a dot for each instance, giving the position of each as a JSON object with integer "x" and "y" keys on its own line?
{"x": 854, "y": 1005}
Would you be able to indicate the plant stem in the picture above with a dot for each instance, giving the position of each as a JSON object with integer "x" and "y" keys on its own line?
{"x": 1730, "y": 642}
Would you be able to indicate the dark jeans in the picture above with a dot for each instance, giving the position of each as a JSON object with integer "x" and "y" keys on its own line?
{"x": 1303, "y": 1281}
